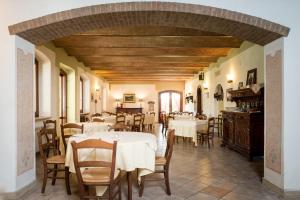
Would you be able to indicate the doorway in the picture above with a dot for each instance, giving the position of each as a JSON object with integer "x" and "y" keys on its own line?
{"x": 199, "y": 100}
{"x": 170, "y": 101}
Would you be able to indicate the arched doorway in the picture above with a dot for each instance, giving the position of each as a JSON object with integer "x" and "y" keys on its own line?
{"x": 199, "y": 100}
{"x": 244, "y": 27}
{"x": 205, "y": 18}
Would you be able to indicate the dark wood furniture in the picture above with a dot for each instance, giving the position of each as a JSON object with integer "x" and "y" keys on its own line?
{"x": 84, "y": 117}
{"x": 129, "y": 110}
{"x": 120, "y": 119}
{"x": 51, "y": 164}
{"x": 92, "y": 173}
{"x": 98, "y": 120}
{"x": 162, "y": 162}
{"x": 137, "y": 122}
{"x": 244, "y": 131}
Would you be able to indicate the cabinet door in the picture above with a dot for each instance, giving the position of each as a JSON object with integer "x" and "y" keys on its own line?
{"x": 242, "y": 137}
{"x": 228, "y": 129}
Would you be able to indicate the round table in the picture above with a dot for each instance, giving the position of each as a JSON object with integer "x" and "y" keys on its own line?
{"x": 188, "y": 128}
{"x": 135, "y": 150}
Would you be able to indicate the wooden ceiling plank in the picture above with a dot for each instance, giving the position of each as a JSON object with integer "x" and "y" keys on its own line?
{"x": 148, "y": 41}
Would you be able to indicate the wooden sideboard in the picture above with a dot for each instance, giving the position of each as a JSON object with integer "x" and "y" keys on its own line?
{"x": 244, "y": 132}
{"x": 129, "y": 110}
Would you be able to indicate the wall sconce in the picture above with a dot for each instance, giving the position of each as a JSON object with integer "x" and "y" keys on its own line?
{"x": 117, "y": 100}
{"x": 229, "y": 78}
{"x": 205, "y": 86}
{"x": 141, "y": 101}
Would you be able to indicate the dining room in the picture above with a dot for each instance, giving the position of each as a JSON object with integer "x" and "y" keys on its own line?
{"x": 148, "y": 110}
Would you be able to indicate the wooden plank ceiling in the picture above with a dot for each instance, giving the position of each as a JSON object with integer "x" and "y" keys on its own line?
{"x": 147, "y": 53}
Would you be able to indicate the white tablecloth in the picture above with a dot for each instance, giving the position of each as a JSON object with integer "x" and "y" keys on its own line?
{"x": 92, "y": 127}
{"x": 134, "y": 151}
{"x": 188, "y": 128}
{"x": 183, "y": 117}
{"x": 149, "y": 119}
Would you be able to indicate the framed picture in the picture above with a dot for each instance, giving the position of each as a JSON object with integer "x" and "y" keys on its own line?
{"x": 228, "y": 95}
{"x": 128, "y": 98}
{"x": 251, "y": 77}
{"x": 241, "y": 85}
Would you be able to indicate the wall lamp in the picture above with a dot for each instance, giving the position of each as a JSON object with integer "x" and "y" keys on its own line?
{"x": 229, "y": 78}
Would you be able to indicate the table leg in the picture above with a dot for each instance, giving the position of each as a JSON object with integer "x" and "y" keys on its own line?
{"x": 129, "y": 182}
{"x": 67, "y": 177}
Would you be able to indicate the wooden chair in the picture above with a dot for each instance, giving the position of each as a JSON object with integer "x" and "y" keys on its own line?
{"x": 163, "y": 162}
{"x": 98, "y": 172}
{"x": 71, "y": 127}
{"x": 219, "y": 125}
{"x": 97, "y": 120}
{"x": 96, "y": 115}
{"x": 166, "y": 123}
{"x": 137, "y": 122}
{"x": 119, "y": 127}
{"x": 51, "y": 164}
{"x": 208, "y": 136}
{"x": 51, "y": 136}
{"x": 120, "y": 119}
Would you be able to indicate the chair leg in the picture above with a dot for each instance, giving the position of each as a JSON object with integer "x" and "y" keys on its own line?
{"x": 45, "y": 179}
{"x": 67, "y": 179}
{"x": 141, "y": 188}
{"x": 54, "y": 174}
{"x": 120, "y": 190}
{"x": 166, "y": 174}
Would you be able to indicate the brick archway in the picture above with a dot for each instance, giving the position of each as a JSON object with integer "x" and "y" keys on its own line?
{"x": 65, "y": 23}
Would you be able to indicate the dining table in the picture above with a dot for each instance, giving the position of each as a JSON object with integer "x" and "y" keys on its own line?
{"x": 149, "y": 119}
{"x": 135, "y": 150}
{"x": 188, "y": 127}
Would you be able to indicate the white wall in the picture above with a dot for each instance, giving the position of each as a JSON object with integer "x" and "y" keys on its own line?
{"x": 237, "y": 64}
{"x": 283, "y": 12}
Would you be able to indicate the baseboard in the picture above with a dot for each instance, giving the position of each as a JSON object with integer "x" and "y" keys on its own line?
{"x": 18, "y": 194}
{"x": 280, "y": 191}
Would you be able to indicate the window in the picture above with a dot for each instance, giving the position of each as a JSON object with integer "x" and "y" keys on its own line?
{"x": 170, "y": 101}
{"x": 63, "y": 96}
{"x": 81, "y": 87}
{"x": 36, "y": 63}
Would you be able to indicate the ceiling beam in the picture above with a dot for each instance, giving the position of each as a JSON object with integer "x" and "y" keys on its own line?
{"x": 79, "y": 51}
{"x": 148, "y": 41}
{"x": 93, "y": 60}
{"x": 148, "y": 65}
{"x": 148, "y": 31}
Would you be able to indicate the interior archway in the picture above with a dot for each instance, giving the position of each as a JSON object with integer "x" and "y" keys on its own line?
{"x": 61, "y": 24}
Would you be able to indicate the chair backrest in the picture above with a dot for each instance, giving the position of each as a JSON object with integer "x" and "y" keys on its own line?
{"x": 143, "y": 118}
{"x": 152, "y": 113}
{"x": 96, "y": 119}
{"x": 137, "y": 119}
{"x": 120, "y": 119}
{"x": 211, "y": 125}
{"x": 43, "y": 145}
{"x": 71, "y": 127}
{"x": 96, "y": 115}
{"x": 119, "y": 127}
{"x": 50, "y": 129}
{"x": 95, "y": 163}
{"x": 170, "y": 144}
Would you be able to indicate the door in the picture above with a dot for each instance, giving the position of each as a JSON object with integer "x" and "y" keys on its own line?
{"x": 170, "y": 101}
{"x": 63, "y": 96}
{"x": 199, "y": 100}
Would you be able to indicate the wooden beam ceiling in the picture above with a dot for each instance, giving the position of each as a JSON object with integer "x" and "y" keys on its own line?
{"x": 147, "y": 53}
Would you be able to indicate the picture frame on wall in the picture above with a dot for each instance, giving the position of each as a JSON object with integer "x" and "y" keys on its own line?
{"x": 251, "y": 77}
{"x": 241, "y": 85}
{"x": 228, "y": 95}
{"x": 129, "y": 98}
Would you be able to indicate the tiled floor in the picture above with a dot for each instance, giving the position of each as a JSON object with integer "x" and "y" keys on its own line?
{"x": 196, "y": 174}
